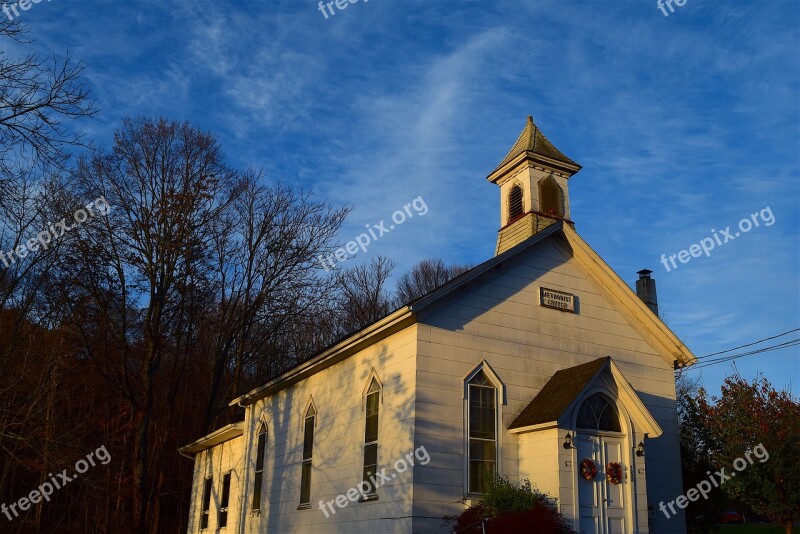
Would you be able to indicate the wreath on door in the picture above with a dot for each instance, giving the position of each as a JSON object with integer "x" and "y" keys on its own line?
{"x": 614, "y": 472}
{"x": 588, "y": 469}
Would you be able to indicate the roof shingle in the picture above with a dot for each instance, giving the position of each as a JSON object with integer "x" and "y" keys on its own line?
{"x": 533, "y": 140}
{"x": 557, "y": 394}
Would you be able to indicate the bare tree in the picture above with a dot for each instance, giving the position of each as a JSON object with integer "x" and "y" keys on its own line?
{"x": 267, "y": 282}
{"x": 36, "y": 96}
{"x": 137, "y": 267}
{"x": 362, "y": 295}
{"x": 424, "y": 277}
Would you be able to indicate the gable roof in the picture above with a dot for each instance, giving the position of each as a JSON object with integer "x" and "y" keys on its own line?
{"x": 558, "y": 393}
{"x": 559, "y": 397}
{"x": 646, "y": 323}
{"x": 630, "y": 306}
{"x": 534, "y": 143}
{"x": 641, "y": 318}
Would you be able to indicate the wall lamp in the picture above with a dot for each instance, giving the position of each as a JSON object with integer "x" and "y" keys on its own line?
{"x": 568, "y": 442}
{"x": 640, "y": 448}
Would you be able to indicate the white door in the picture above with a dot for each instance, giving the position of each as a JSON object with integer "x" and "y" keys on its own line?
{"x": 603, "y": 506}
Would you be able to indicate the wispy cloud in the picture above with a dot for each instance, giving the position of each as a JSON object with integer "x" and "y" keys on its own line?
{"x": 682, "y": 124}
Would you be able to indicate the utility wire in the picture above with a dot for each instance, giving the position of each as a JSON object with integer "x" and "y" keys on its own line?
{"x": 786, "y": 344}
{"x": 748, "y": 344}
{"x": 724, "y": 359}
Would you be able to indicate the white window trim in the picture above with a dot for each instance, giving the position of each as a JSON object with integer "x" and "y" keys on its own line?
{"x": 372, "y": 376}
{"x": 310, "y": 404}
{"x": 500, "y": 401}
{"x": 262, "y": 421}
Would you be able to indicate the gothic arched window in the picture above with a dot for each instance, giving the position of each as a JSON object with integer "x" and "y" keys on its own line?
{"x": 596, "y": 413}
{"x": 515, "y": 204}
{"x": 373, "y": 401}
{"x": 482, "y": 432}
{"x": 258, "y": 477}
{"x": 308, "y": 450}
{"x": 550, "y": 197}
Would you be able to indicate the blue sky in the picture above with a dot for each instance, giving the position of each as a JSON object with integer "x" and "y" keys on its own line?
{"x": 683, "y": 124}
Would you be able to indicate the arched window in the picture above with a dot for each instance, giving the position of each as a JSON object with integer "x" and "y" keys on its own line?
{"x": 482, "y": 432}
{"x": 373, "y": 397}
{"x": 550, "y": 197}
{"x": 308, "y": 450}
{"x": 261, "y": 446}
{"x": 596, "y": 413}
{"x": 515, "y": 204}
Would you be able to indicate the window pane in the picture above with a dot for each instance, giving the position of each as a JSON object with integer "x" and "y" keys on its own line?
{"x": 480, "y": 379}
{"x": 479, "y": 474}
{"x": 207, "y": 494}
{"x": 369, "y": 472}
{"x": 308, "y": 438}
{"x": 597, "y": 403}
{"x": 372, "y": 404}
{"x": 262, "y": 441}
{"x": 482, "y": 412}
{"x": 305, "y": 484}
{"x": 257, "y": 491}
{"x": 373, "y": 386}
{"x": 370, "y": 465}
{"x": 223, "y": 519}
{"x": 206, "y": 502}
{"x": 481, "y": 450}
{"x": 371, "y": 431}
{"x": 371, "y": 424}
{"x": 609, "y": 419}
{"x": 371, "y": 454}
{"x": 586, "y": 418}
{"x": 226, "y": 490}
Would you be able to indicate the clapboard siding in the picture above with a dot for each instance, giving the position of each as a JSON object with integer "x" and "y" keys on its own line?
{"x": 214, "y": 463}
{"x": 338, "y": 443}
{"x": 498, "y": 319}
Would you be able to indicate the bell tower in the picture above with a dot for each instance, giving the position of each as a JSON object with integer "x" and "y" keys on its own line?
{"x": 533, "y": 187}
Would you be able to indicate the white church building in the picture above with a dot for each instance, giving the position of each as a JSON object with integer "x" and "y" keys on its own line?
{"x": 537, "y": 363}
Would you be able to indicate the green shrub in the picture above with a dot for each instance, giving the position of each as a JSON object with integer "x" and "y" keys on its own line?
{"x": 510, "y": 507}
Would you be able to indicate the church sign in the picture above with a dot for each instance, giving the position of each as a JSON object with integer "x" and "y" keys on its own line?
{"x": 550, "y": 298}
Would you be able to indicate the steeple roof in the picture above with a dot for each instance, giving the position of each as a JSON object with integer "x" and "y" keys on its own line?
{"x": 533, "y": 140}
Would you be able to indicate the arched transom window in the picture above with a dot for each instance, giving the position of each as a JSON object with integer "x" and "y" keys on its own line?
{"x": 596, "y": 413}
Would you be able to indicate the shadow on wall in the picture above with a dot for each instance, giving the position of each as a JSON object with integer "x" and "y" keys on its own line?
{"x": 282, "y": 469}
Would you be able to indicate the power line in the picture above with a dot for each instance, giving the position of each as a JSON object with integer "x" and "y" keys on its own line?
{"x": 748, "y": 344}
{"x": 724, "y": 359}
{"x": 783, "y": 345}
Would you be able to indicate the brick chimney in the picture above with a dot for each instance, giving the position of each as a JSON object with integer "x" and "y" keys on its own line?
{"x": 646, "y": 289}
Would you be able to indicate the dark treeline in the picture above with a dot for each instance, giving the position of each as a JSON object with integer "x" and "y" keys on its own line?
{"x": 141, "y": 288}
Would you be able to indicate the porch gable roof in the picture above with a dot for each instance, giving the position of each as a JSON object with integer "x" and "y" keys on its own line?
{"x": 558, "y": 394}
